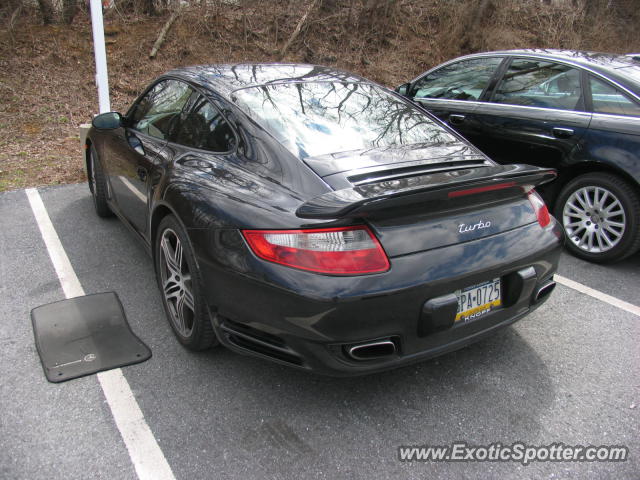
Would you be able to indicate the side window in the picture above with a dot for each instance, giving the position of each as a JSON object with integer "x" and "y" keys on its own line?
{"x": 204, "y": 127}
{"x": 156, "y": 113}
{"x": 535, "y": 83}
{"x": 465, "y": 80}
{"x": 608, "y": 99}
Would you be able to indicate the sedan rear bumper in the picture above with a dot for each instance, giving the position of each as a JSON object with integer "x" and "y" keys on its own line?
{"x": 313, "y": 321}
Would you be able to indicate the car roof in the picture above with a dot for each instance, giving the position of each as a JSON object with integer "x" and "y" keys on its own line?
{"x": 616, "y": 67}
{"x": 225, "y": 79}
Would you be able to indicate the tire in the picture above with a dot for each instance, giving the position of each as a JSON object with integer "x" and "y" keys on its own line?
{"x": 600, "y": 213}
{"x": 98, "y": 184}
{"x": 181, "y": 287}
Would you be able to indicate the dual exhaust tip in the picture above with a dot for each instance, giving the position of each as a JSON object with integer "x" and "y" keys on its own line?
{"x": 544, "y": 291}
{"x": 387, "y": 348}
{"x": 372, "y": 350}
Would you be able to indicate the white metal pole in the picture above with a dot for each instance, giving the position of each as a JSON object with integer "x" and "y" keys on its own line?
{"x": 102, "y": 79}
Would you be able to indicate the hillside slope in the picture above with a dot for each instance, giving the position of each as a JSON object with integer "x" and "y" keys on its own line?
{"x": 47, "y": 73}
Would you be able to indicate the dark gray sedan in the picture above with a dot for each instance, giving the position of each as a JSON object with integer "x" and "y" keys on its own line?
{"x": 578, "y": 112}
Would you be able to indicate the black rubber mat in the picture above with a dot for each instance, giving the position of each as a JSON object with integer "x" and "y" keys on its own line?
{"x": 85, "y": 335}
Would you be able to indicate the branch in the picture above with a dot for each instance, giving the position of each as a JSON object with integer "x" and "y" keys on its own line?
{"x": 297, "y": 29}
{"x": 163, "y": 33}
{"x": 14, "y": 16}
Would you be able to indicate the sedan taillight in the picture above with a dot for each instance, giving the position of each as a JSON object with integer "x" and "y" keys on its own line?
{"x": 334, "y": 251}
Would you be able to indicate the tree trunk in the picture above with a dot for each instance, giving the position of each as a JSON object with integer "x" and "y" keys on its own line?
{"x": 46, "y": 9}
{"x": 148, "y": 7}
{"x": 470, "y": 29}
{"x": 69, "y": 10}
{"x": 15, "y": 7}
{"x": 163, "y": 33}
{"x": 296, "y": 31}
{"x": 12, "y": 5}
{"x": 379, "y": 21}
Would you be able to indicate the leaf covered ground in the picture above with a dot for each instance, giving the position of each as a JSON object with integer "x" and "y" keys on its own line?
{"x": 47, "y": 72}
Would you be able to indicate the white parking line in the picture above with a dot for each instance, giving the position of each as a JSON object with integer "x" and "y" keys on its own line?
{"x": 144, "y": 451}
{"x": 616, "y": 302}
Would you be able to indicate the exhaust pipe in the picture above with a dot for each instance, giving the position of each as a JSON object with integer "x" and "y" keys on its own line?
{"x": 544, "y": 290}
{"x": 372, "y": 350}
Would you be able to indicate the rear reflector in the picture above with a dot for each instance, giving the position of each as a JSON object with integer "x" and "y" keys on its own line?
{"x": 335, "y": 251}
{"x": 542, "y": 212}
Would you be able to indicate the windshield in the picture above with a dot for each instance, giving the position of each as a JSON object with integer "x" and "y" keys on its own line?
{"x": 313, "y": 119}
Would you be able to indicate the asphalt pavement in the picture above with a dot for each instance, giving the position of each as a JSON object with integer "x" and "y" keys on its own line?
{"x": 568, "y": 373}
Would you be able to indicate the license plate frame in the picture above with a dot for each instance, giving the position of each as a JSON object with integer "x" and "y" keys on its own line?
{"x": 475, "y": 301}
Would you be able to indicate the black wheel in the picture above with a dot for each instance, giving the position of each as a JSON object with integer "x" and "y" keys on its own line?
{"x": 600, "y": 213}
{"x": 180, "y": 284}
{"x": 98, "y": 185}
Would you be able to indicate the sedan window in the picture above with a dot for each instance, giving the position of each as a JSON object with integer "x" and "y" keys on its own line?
{"x": 156, "y": 113}
{"x": 608, "y": 99}
{"x": 313, "y": 119}
{"x": 465, "y": 80}
{"x": 535, "y": 83}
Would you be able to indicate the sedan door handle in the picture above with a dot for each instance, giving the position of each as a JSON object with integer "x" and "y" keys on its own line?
{"x": 562, "y": 132}
{"x": 456, "y": 119}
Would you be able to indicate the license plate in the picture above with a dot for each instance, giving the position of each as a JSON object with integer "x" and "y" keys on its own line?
{"x": 478, "y": 300}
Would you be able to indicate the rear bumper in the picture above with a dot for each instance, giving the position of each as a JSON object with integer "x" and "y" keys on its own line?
{"x": 310, "y": 321}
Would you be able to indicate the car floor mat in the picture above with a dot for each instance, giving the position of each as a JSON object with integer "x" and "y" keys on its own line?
{"x": 85, "y": 335}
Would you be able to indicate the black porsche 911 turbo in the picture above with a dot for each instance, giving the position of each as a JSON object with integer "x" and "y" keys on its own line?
{"x": 308, "y": 216}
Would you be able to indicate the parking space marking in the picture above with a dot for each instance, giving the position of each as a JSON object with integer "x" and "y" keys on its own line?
{"x": 616, "y": 302}
{"x": 144, "y": 451}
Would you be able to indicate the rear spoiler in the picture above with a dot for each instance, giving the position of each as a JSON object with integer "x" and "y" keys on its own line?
{"x": 362, "y": 200}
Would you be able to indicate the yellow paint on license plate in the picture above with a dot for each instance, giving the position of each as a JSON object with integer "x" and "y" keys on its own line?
{"x": 477, "y": 300}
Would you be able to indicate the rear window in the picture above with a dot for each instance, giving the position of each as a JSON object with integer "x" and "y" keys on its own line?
{"x": 314, "y": 119}
{"x": 608, "y": 99}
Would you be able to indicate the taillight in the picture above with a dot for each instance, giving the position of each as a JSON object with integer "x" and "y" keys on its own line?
{"x": 336, "y": 251}
{"x": 542, "y": 212}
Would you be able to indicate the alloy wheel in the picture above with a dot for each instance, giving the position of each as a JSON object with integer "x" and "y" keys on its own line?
{"x": 176, "y": 283}
{"x": 594, "y": 219}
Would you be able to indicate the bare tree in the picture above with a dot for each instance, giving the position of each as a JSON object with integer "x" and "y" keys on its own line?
{"x": 379, "y": 19}
{"x": 468, "y": 33}
{"x": 47, "y": 11}
{"x": 148, "y": 7}
{"x": 69, "y": 10}
{"x": 10, "y": 6}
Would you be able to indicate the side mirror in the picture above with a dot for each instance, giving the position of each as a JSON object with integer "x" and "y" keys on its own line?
{"x": 107, "y": 121}
{"x": 403, "y": 89}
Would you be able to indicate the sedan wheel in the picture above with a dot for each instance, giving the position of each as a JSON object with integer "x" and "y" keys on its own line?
{"x": 180, "y": 286}
{"x": 599, "y": 213}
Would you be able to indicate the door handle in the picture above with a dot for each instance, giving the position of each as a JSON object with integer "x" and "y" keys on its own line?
{"x": 456, "y": 118}
{"x": 562, "y": 132}
{"x": 142, "y": 173}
